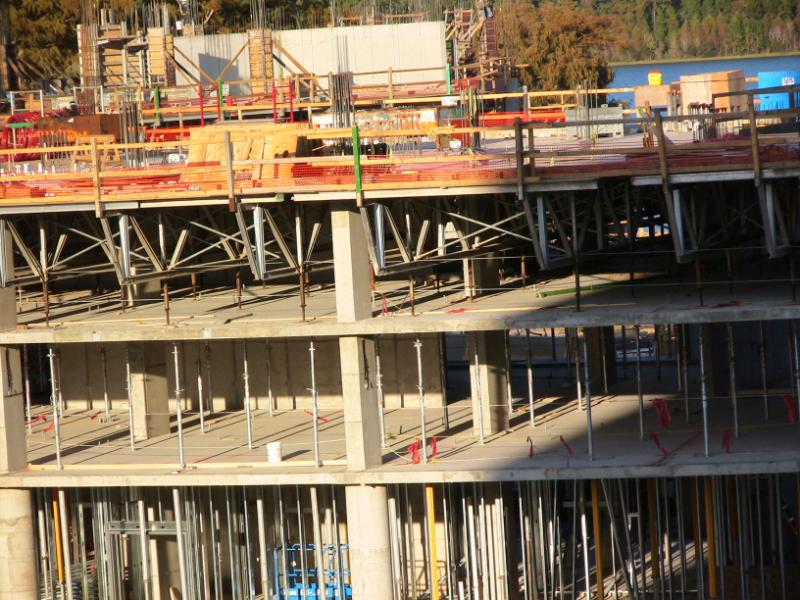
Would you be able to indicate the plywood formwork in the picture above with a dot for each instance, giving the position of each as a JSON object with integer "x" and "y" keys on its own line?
{"x": 160, "y": 49}
{"x": 259, "y": 48}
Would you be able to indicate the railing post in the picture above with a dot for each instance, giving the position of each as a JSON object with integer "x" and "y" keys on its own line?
{"x": 157, "y": 105}
{"x": 357, "y": 166}
{"x": 96, "y": 180}
{"x": 229, "y": 172}
{"x": 754, "y": 143}
{"x": 219, "y": 100}
{"x": 390, "y": 83}
{"x": 520, "y": 155}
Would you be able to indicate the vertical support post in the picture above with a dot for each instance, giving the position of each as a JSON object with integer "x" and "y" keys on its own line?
{"x": 106, "y": 399}
{"x": 421, "y": 389}
{"x": 575, "y": 250}
{"x": 247, "y": 408}
{"x": 357, "y": 166}
{"x": 54, "y": 394}
{"x": 430, "y": 502}
{"x": 762, "y": 354}
{"x": 588, "y": 385}
{"x": 379, "y": 385}
{"x": 143, "y": 543}
{"x": 202, "y": 98}
{"x": 598, "y": 538}
{"x": 178, "y": 407}
{"x": 27, "y": 377}
{"x": 711, "y": 537}
{"x": 732, "y": 378}
{"x": 314, "y": 404}
{"x": 229, "y": 174}
{"x": 529, "y": 367}
{"x": 129, "y": 392}
{"x": 157, "y": 105}
{"x": 704, "y": 389}
{"x": 637, "y": 332}
{"x": 219, "y": 100}
{"x": 176, "y": 506}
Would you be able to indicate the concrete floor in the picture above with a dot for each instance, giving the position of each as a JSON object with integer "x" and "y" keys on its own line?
{"x": 100, "y": 451}
{"x": 274, "y": 311}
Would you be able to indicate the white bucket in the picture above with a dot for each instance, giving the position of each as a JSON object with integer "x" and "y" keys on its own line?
{"x": 274, "y": 452}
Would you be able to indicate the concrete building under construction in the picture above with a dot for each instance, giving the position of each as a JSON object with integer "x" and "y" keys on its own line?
{"x": 353, "y": 331}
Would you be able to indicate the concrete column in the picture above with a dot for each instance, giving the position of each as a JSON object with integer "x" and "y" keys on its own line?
{"x": 351, "y": 266}
{"x": 18, "y": 579}
{"x": 602, "y": 355}
{"x": 368, "y": 538}
{"x": 488, "y": 381}
{"x": 149, "y": 389}
{"x": 360, "y": 399}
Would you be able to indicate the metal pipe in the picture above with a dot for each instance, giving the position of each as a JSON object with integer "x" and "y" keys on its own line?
{"x": 200, "y": 394}
{"x": 797, "y": 365}
{"x": 270, "y": 399}
{"x": 421, "y": 389}
{"x": 247, "y": 408}
{"x": 262, "y": 549}
{"x": 529, "y": 368}
{"x": 178, "y": 407}
{"x": 317, "y": 533}
{"x": 732, "y": 378}
{"x": 685, "y": 370}
{"x": 66, "y": 549}
{"x": 711, "y": 534}
{"x": 129, "y": 392}
{"x": 479, "y": 399}
{"x": 704, "y": 391}
{"x": 54, "y": 394}
{"x": 176, "y": 504}
{"x": 381, "y": 398}
{"x": 598, "y": 538}
{"x": 762, "y": 354}
{"x": 434, "y": 559}
{"x": 106, "y": 400}
{"x": 315, "y": 405}
{"x": 637, "y": 329}
{"x": 26, "y": 373}
{"x": 589, "y": 429}
{"x": 143, "y": 549}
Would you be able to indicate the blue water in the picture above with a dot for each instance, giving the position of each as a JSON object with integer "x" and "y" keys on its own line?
{"x": 633, "y": 75}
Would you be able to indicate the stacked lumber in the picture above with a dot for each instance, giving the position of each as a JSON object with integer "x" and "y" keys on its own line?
{"x": 251, "y": 142}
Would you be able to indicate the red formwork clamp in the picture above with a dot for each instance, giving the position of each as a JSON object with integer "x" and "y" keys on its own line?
{"x": 414, "y": 451}
{"x": 657, "y": 441}
{"x": 531, "y": 447}
{"x": 727, "y": 440}
{"x": 790, "y": 412}
{"x": 664, "y": 416}
{"x": 566, "y": 445}
{"x": 434, "y": 446}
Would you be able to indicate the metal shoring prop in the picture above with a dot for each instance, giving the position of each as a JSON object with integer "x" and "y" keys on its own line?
{"x": 262, "y": 547}
{"x": 200, "y": 394}
{"x": 796, "y": 347}
{"x": 529, "y": 368}
{"x": 421, "y": 389}
{"x": 54, "y": 402}
{"x": 585, "y": 544}
{"x": 704, "y": 393}
{"x": 27, "y": 377}
{"x": 247, "y": 409}
{"x": 143, "y": 543}
{"x": 314, "y": 405}
{"x": 637, "y": 330}
{"x": 270, "y": 399}
{"x": 207, "y": 353}
{"x": 732, "y": 378}
{"x": 106, "y": 400}
{"x": 176, "y": 504}
{"x": 178, "y": 407}
{"x": 381, "y": 398}
{"x": 65, "y": 543}
{"x": 129, "y": 392}
{"x": 318, "y": 551}
{"x": 762, "y": 353}
{"x": 588, "y": 387}
{"x": 479, "y": 399}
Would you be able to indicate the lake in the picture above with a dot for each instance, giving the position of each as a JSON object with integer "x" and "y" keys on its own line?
{"x": 636, "y": 74}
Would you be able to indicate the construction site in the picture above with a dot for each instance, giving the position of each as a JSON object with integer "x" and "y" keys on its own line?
{"x": 347, "y": 312}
